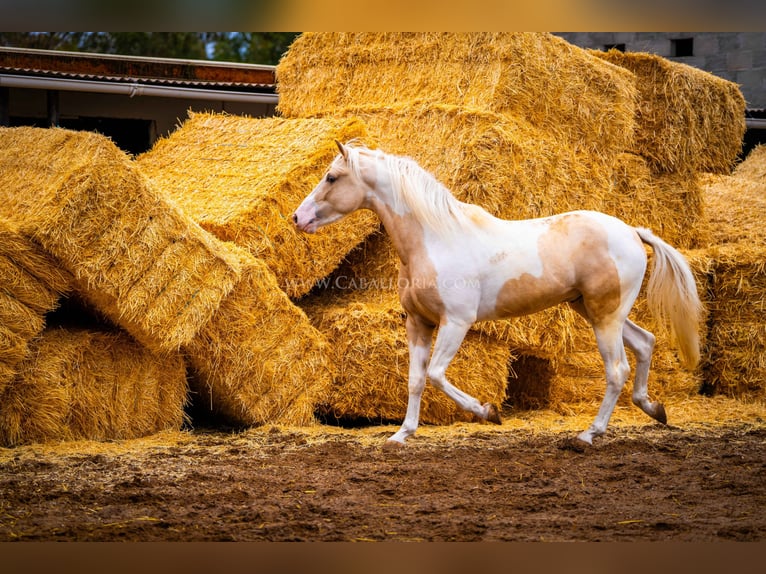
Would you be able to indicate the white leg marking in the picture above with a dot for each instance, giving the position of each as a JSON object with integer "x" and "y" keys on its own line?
{"x": 419, "y": 341}
{"x": 641, "y": 343}
{"x": 448, "y": 341}
{"x": 617, "y": 370}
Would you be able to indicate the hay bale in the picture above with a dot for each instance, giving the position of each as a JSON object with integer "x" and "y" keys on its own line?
{"x": 557, "y": 87}
{"x": 241, "y": 178}
{"x": 687, "y": 119}
{"x": 258, "y": 360}
{"x": 369, "y": 345}
{"x": 671, "y": 204}
{"x": 735, "y": 205}
{"x": 153, "y": 271}
{"x": 503, "y": 120}
{"x": 30, "y": 287}
{"x": 754, "y": 166}
{"x": 79, "y": 384}
{"x": 133, "y": 254}
{"x": 736, "y": 362}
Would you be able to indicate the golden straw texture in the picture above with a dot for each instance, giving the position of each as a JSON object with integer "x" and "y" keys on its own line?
{"x": 30, "y": 286}
{"x": 259, "y": 360}
{"x": 687, "y": 119}
{"x": 79, "y": 384}
{"x": 555, "y": 86}
{"x": 735, "y": 209}
{"x": 241, "y": 178}
{"x": 133, "y": 254}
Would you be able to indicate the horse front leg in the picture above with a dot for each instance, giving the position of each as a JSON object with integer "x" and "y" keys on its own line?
{"x": 419, "y": 334}
{"x": 448, "y": 341}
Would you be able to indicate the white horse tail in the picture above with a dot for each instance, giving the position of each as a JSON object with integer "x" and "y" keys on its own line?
{"x": 672, "y": 296}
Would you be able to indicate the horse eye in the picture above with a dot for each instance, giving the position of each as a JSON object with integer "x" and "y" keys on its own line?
{"x": 331, "y": 178}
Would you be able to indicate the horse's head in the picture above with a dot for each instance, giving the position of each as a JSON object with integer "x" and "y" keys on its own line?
{"x": 341, "y": 191}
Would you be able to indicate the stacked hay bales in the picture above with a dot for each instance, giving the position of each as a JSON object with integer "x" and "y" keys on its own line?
{"x": 558, "y": 88}
{"x": 151, "y": 270}
{"x": 82, "y": 384}
{"x": 241, "y": 178}
{"x": 524, "y": 125}
{"x": 736, "y": 204}
{"x": 477, "y": 110}
{"x": 141, "y": 261}
{"x": 371, "y": 351}
{"x": 30, "y": 287}
{"x": 258, "y": 359}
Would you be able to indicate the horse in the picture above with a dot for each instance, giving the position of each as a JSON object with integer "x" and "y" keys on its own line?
{"x": 459, "y": 264}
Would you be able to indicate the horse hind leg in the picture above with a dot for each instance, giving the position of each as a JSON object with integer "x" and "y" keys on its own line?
{"x": 641, "y": 343}
{"x": 610, "y": 345}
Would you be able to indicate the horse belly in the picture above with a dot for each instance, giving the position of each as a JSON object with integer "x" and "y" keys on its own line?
{"x": 528, "y": 294}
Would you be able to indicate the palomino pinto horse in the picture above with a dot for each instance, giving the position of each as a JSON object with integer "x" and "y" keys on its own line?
{"x": 459, "y": 265}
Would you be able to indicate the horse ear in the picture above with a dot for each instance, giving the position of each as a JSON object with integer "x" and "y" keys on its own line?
{"x": 342, "y": 148}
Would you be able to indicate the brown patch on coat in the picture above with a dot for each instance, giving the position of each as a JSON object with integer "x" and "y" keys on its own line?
{"x": 477, "y": 215}
{"x": 418, "y": 289}
{"x": 576, "y": 263}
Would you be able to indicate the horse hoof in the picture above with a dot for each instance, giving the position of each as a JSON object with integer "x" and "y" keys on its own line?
{"x": 393, "y": 445}
{"x": 575, "y": 444}
{"x": 659, "y": 414}
{"x": 493, "y": 415}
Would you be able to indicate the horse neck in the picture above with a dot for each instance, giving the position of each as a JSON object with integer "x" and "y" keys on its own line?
{"x": 404, "y": 230}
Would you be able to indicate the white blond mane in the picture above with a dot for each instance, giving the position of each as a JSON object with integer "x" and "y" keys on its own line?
{"x": 417, "y": 191}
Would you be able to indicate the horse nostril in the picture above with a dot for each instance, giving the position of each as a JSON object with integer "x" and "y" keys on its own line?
{"x": 295, "y": 218}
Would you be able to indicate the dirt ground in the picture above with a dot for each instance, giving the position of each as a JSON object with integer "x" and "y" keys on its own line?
{"x": 464, "y": 482}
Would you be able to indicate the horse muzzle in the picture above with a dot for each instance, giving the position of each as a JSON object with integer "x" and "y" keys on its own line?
{"x": 305, "y": 218}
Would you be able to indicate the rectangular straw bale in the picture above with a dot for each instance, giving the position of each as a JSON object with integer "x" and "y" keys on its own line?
{"x": 735, "y": 205}
{"x": 258, "y": 360}
{"x": 133, "y": 254}
{"x": 30, "y": 286}
{"x": 241, "y": 178}
{"x": 736, "y": 364}
{"x": 81, "y": 384}
{"x": 753, "y": 168}
{"x": 670, "y": 204}
{"x": 687, "y": 119}
{"x": 557, "y": 87}
{"x": 369, "y": 345}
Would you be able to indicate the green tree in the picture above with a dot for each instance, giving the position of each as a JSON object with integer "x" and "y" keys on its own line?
{"x": 253, "y": 47}
{"x": 42, "y": 40}
{"x": 190, "y": 45}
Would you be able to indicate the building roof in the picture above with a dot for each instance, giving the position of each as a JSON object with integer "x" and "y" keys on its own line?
{"x": 113, "y": 69}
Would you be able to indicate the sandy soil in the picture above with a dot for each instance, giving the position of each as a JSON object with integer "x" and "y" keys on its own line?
{"x": 467, "y": 482}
